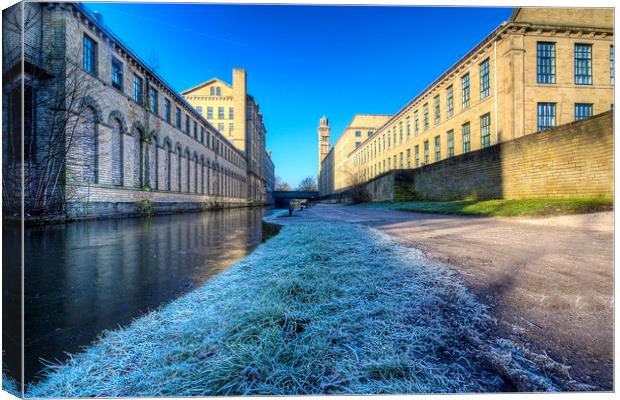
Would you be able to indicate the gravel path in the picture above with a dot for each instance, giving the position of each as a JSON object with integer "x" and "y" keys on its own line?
{"x": 549, "y": 281}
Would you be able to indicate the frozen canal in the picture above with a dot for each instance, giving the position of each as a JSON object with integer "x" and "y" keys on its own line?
{"x": 85, "y": 277}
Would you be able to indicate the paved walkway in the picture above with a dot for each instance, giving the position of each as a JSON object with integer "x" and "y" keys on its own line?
{"x": 549, "y": 281}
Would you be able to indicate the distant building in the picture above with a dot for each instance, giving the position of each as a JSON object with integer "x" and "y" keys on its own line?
{"x": 544, "y": 67}
{"x": 336, "y": 171}
{"x": 324, "y": 139}
{"x": 237, "y": 117}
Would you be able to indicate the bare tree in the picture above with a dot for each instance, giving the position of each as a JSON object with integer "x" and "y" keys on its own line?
{"x": 308, "y": 184}
{"x": 153, "y": 60}
{"x": 55, "y": 121}
{"x": 282, "y": 186}
{"x": 357, "y": 192}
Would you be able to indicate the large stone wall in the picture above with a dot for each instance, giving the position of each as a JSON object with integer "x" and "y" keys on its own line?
{"x": 575, "y": 159}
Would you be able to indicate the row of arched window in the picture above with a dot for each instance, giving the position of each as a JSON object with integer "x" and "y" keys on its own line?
{"x": 132, "y": 158}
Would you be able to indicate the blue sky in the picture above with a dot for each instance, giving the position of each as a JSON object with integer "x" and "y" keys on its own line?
{"x": 304, "y": 61}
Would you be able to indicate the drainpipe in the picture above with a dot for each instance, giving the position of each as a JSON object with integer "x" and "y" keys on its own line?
{"x": 495, "y": 89}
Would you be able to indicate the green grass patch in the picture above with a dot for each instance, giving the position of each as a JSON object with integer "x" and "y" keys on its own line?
{"x": 505, "y": 208}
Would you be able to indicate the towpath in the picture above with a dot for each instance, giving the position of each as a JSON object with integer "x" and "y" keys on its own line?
{"x": 548, "y": 281}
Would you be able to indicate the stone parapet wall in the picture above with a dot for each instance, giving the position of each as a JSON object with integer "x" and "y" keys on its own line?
{"x": 571, "y": 160}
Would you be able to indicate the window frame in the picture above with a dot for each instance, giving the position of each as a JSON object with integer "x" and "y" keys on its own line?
{"x": 585, "y": 68}
{"x": 154, "y": 101}
{"x": 89, "y": 64}
{"x": 449, "y": 101}
{"x": 138, "y": 89}
{"x": 542, "y": 119}
{"x": 167, "y": 110}
{"x": 485, "y": 130}
{"x": 465, "y": 91}
{"x": 581, "y": 106}
{"x": 485, "y": 78}
{"x": 408, "y": 127}
{"x": 117, "y": 71}
{"x": 466, "y": 137}
{"x": 450, "y": 142}
{"x": 545, "y": 60}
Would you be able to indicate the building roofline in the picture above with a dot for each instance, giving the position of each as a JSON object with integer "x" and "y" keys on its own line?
{"x": 108, "y": 32}
{"x": 515, "y": 14}
{"x": 353, "y": 119}
{"x": 205, "y": 83}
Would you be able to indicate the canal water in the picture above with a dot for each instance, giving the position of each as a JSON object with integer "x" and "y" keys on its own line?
{"x": 85, "y": 277}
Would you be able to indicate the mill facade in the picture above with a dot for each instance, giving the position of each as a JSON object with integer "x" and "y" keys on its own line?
{"x": 543, "y": 68}
{"x": 103, "y": 133}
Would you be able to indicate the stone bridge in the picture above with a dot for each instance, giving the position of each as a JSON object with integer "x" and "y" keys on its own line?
{"x": 281, "y": 199}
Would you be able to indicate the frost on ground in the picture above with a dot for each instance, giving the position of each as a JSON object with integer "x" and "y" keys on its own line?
{"x": 333, "y": 308}
{"x": 9, "y": 385}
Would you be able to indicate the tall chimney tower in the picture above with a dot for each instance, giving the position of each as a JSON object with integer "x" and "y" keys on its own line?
{"x": 239, "y": 87}
{"x": 324, "y": 132}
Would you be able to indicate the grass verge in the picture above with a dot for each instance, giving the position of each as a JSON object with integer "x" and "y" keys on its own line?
{"x": 319, "y": 308}
{"x": 505, "y": 208}
{"x": 9, "y": 385}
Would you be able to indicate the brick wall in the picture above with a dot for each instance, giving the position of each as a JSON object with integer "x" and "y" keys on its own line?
{"x": 575, "y": 159}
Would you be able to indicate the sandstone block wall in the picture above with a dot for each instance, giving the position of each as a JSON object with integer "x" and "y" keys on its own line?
{"x": 575, "y": 159}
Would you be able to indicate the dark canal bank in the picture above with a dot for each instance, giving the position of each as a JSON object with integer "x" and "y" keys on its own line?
{"x": 85, "y": 277}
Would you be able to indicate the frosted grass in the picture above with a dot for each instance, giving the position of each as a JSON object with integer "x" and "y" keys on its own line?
{"x": 320, "y": 308}
{"x": 9, "y": 385}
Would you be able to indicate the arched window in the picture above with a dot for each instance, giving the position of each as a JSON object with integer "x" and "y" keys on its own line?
{"x": 227, "y": 183}
{"x": 154, "y": 163}
{"x": 216, "y": 180}
{"x": 212, "y": 90}
{"x": 117, "y": 152}
{"x": 196, "y": 175}
{"x": 209, "y": 177}
{"x": 137, "y": 158}
{"x": 167, "y": 165}
{"x": 202, "y": 175}
{"x": 188, "y": 173}
{"x": 88, "y": 148}
{"x": 179, "y": 165}
{"x": 218, "y": 91}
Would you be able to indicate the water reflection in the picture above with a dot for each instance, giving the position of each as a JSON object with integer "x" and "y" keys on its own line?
{"x": 85, "y": 277}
